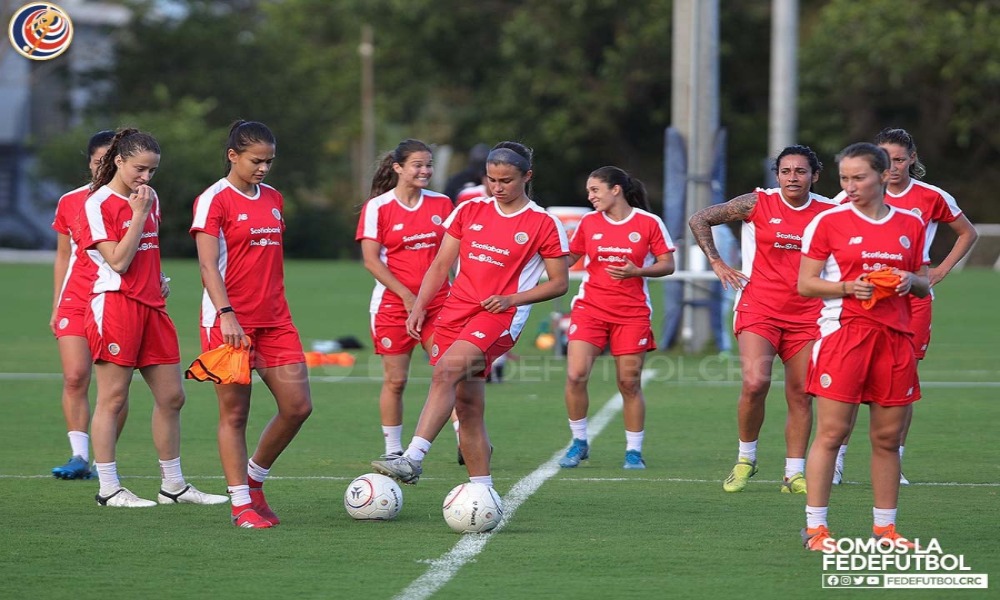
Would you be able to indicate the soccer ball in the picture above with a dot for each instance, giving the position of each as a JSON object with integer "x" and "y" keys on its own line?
{"x": 373, "y": 497}
{"x": 472, "y": 508}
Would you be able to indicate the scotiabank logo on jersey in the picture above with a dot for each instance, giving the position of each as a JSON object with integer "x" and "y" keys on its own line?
{"x": 488, "y": 253}
{"x": 40, "y": 31}
{"x": 420, "y": 241}
{"x": 265, "y": 238}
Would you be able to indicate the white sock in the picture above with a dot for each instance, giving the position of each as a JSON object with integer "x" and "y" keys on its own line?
{"x": 393, "y": 435}
{"x": 484, "y": 479}
{"x": 794, "y": 465}
{"x": 815, "y": 516}
{"x": 256, "y": 472}
{"x": 107, "y": 475}
{"x": 79, "y": 444}
{"x": 901, "y": 453}
{"x": 748, "y": 450}
{"x": 454, "y": 424}
{"x": 579, "y": 429}
{"x": 840, "y": 456}
{"x": 170, "y": 472}
{"x": 239, "y": 494}
{"x": 418, "y": 449}
{"x": 633, "y": 440}
{"x": 883, "y": 516}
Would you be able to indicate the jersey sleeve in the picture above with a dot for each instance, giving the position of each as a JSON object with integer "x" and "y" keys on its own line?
{"x": 815, "y": 243}
{"x": 945, "y": 209}
{"x": 368, "y": 223}
{"x": 208, "y": 215}
{"x": 659, "y": 238}
{"x": 455, "y": 222}
{"x": 555, "y": 243}
{"x": 578, "y": 245}
{"x": 60, "y": 223}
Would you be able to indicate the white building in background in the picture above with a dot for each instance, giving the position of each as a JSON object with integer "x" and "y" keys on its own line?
{"x": 40, "y": 99}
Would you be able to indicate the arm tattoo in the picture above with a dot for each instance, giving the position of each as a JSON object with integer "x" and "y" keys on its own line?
{"x": 702, "y": 221}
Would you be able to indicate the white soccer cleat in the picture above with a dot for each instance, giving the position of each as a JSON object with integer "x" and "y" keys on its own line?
{"x": 189, "y": 495}
{"x": 123, "y": 498}
{"x": 903, "y": 480}
{"x": 838, "y": 474}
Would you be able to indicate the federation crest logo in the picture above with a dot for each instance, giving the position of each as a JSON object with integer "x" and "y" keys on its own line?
{"x": 521, "y": 237}
{"x": 114, "y": 349}
{"x": 436, "y": 219}
{"x": 63, "y": 323}
{"x": 904, "y": 242}
{"x": 40, "y": 31}
{"x": 825, "y": 380}
{"x": 276, "y": 213}
{"x": 634, "y": 237}
{"x": 386, "y": 342}
{"x": 434, "y": 350}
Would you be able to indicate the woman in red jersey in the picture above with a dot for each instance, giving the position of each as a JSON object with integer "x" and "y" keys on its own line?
{"x": 127, "y": 323}
{"x": 502, "y": 244}
{"x": 400, "y": 230}
{"x": 74, "y": 279}
{"x": 772, "y": 319}
{"x": 239, "y": 229}
{"x": 623, "y": 243}
{"x": 933, "y": 205}
{"x": 865, "y": 354}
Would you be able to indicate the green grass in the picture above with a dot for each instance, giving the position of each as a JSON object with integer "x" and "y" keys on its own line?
{"x": 593, "y": 532}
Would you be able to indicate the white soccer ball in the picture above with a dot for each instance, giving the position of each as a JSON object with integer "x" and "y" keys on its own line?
{"x": 373, "y": 497}
{"x": 472, "y": 508}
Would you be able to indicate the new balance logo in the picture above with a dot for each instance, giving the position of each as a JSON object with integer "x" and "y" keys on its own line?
{"x": 643, "y": 341}
{"x": 479, "y": 334}
{"x": 397, "y": 227}
{"x": 775, "y": 221}
{"x": 476, "y": 227}
{"x": 242, "y": 217}
{"x": 598, "y": 236}
{"x": 854, "y": 240}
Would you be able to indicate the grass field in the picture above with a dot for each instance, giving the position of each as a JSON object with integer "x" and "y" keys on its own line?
{"x": 594, "y": 532}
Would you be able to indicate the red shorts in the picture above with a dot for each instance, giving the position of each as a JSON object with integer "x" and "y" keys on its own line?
{"x": 635, "y": 338}
{"x": 272, "y": 346}
{"x": 388, "y": 331}
{"x": 130, "y": 334}
{"x": 862, "y": 363}
{"x": 71, "y": 321}
{"x": 487, "y": 331}
{"x": 920, "y": 324}
{"x": 788, "y": 338}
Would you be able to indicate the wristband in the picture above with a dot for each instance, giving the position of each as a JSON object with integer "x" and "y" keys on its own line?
{"x": 225, "y": 309}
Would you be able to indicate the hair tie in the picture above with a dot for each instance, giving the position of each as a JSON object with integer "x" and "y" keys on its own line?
{"x": 506, "y": 156}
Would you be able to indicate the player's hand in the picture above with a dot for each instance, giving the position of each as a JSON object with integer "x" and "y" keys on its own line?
{"x": 905, "y": 281}
{"x": 52, "y": 322}
{"x": 497, "y": 304}
{"x": 164, "y": 286}
{"x": 862, "y": 289}
{"x": 232, "y": 332}
{"x": 936, "y": 275}
{"x": 624, "y": 271}
{"x": 415, "y": 323}
{"x": 141, "y": 201}
{"x": 730, "y": 277}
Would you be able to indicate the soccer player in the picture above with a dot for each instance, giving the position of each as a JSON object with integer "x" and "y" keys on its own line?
{"x": 864, "y": 354}
{"x": 239, "y": 229}
{"x": 933, "y": 205}
{"x": 400, "y": 230}
{"x": 127, "y": 324}
{"x": 623, "y": 243}
{"x": 74, "y": 279}
{"x": 502, "y": 244}
{"x": 772, "y": 319}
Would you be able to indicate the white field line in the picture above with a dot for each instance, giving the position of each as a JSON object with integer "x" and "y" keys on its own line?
{"x": 442, "y": 569}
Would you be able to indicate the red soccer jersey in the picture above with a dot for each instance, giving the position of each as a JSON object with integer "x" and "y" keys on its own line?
{"x": 108, "y": 218}
{"x": 471, "y": 193}
{"x": 80, "y": 274}
{"x": 250, "y": 230}
{"x": 410, "y": 239}
{"x": 850, "y": 245}
{"x": 771, "y": 244}
{"x": 638, "y": 239}
{"x": 500, "y": 254}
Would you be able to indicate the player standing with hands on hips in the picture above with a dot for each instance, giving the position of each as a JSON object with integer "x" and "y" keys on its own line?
{"x": 127, "y": 323}
{"x": 865, "y": 353}
{"x": 502, "y": 244}
{"x": 239, "y": 230}
{"x": 623, "y": 243}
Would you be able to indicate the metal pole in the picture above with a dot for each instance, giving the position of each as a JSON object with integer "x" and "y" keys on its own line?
{"x": 367, "y": 154}
{"x": 783, "y": 103}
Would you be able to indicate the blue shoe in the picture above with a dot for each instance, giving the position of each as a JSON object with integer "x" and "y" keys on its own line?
{"x": 578, "y": 450}
{"x": 75, "y": 468}
{"x": 633, "y": 460}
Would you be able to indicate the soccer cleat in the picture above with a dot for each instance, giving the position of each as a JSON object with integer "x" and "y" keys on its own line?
{"x": 740, "y": 475}
{"x": 259, "y": 504}
{"x": 123, "y": 498}
{"x": 189, "y": 495}
{"x": 838, "y": 474}
{"x": 796, "y": 484}
{"x": 813, "y": 538}
{"x": 578, "y": 450}
{"x": 633, "y": 460}
{"x": 903, "y": 480}
{"x": 75, "y": 468}
{"x": 248, "y": 518}
{"x": 399, "y": 468}
{"x": 889, "y": 533}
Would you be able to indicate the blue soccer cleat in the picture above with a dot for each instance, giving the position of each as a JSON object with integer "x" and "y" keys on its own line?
{"x": 75, "y": 468}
